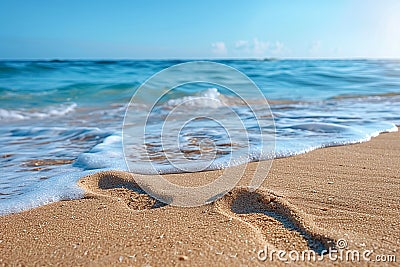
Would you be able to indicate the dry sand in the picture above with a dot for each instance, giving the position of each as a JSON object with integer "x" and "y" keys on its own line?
{"x": 307, "y": 202}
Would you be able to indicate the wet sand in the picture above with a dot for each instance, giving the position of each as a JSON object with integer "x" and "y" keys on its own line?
{"x": 326, "y": 199}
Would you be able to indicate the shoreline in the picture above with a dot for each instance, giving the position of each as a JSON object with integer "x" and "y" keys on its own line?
{"x": 308, "y": 201}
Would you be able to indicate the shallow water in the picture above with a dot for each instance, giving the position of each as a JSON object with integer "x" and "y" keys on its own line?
{"x": 62, "y": 120}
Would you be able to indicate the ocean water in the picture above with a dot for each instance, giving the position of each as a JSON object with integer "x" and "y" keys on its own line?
{"x": 61, "y": 120}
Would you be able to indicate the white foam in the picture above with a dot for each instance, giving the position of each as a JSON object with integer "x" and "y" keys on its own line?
{"x": 60, "y": 187}
{"x": 209, "y": 98}
{"x": 26, "y": 114}
{"x": 106, "y": 155}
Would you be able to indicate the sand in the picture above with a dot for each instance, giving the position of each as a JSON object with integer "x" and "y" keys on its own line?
{"x": 330, "y": 198}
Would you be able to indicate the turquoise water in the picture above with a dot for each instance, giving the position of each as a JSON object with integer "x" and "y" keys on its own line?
{"x": 72, "y": 111}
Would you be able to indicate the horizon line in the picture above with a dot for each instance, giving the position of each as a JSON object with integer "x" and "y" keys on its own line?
{"x": 55, "y": 59}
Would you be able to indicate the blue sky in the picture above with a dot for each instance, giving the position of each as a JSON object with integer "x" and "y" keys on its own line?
{"x": 199, "y": 29}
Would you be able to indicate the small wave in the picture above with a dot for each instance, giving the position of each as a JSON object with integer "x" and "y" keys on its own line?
{"x": 357, "y": 96}
{"x": 6, "y": 69}
{"x": 321, "y": 127}
{"x": 26, "y": 114}
{"x": 105, "y": 155}
{"x": 210, "y": 98}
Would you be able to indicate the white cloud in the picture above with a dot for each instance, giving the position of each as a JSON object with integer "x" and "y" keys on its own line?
{"x": 242, "y": 44}
{"x": 259, "y": 47}
{"x": 315, "y": 48}
{"x": 219, "y": 48}
{"x": 279, "y": 47}
{"x": 252, "y": 48}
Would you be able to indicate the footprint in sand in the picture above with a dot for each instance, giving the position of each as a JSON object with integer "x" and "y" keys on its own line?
{"x": 279, "y": 222}
{"x": 118, "y": 186}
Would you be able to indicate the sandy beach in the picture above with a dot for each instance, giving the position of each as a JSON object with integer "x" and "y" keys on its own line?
{"x": 335, "y": 198}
